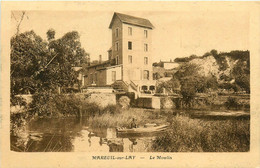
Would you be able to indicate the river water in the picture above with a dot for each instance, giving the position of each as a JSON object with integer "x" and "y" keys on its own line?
{"x": 74, "y": 135}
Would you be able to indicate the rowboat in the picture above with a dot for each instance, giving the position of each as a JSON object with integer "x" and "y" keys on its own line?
{"x": 140, "y": 130}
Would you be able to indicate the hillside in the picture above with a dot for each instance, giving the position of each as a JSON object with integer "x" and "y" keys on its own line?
{"x": 229, "y": 67}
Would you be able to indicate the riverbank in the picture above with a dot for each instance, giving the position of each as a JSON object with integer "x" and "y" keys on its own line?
{"x": 200, "y": 135}
{"x": 219, "y": 130}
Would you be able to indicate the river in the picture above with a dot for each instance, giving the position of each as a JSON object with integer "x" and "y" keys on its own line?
{"x": 74, "y": 135}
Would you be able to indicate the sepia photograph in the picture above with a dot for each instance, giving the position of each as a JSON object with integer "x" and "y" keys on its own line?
{"x": 130, "y": 81}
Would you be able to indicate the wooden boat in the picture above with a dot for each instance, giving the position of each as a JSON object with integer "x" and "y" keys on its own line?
{"x": 141, "y": 130}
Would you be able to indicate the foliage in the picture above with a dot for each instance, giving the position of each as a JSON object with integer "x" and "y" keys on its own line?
{"x": 51, "y": 34}
{"x": 17, "y": 100}
{"x": 124, "y": 102}
{"x": 46, "y": 103}
{"x": 241, "y": 73}
{"x": 232, "y": 102}
{"x": 28, "y": 54}
{"x": 186, "y": 59}
{"x": 172, "y": 84}
{"x": 196, "y": 135}
{"x": 37, "y": 64}
{"x": 191, "y": 82}
{"x": 229, "y": 86}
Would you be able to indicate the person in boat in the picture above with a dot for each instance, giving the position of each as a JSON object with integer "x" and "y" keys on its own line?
{"x": 133, "y": 124}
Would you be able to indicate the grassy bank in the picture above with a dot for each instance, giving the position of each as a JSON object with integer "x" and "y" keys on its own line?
{"x": 196, "y": 135}
{"x": 123, "y": 117}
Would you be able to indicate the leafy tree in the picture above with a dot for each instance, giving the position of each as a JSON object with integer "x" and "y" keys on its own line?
{"x": 212, "y": 82}
{"x": 172, "y": 84}
{"x": 28, "y": 54}
{"x": 50, "y": 34}
{"x": 190, "y": 80}
{"x": 241, "y": 73}
{"x": 214, "y": 52}
{"x": 39, "y": 65}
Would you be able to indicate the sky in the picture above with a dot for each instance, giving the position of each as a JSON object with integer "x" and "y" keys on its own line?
{"x": 176, "y": 33}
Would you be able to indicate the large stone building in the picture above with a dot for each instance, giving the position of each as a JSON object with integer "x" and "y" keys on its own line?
{"x": 129, "y": 67}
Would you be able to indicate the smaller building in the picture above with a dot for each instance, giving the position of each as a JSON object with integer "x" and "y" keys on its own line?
{"x": 103, "y": 74}
{"x": 168, "y": 64}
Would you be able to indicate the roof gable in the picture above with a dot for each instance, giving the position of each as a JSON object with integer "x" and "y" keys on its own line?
{"x": 131, "y": 20}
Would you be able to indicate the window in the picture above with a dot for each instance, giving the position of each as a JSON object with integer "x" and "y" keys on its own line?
{"x": 113, "y": 76}
{"x": 91, "y": 78}
{"x": 145, "y": 60}
{"x": 145, "y": 33}
{"x": 130, "y": 59}
{"x": 144, "y": 87}
{"x": 117, "y": 46}
{"x": 117, "y": 60}
{"x": 117, "y": 32}
{"x": 145, "y": 47}
{"x": 146, "y": 74}
{"x": 95, "y": 77}
{"x": 152, "y": 87}
{"x": 129, "y": 45}
{"x": 130, "y": 31}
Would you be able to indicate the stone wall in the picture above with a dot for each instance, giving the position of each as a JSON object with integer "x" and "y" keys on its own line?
{"x": 148, "y": 102}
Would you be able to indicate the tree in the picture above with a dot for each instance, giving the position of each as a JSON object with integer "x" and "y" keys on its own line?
{"x": 192, "y": 82}
{"x": 37, "y": 65}
{"x": 28, "y": 54}
{"x": 241, "y": 73}
{"x": 172, "y": 84}
{"x": 50, "y": 34}
{"x": 214, "y": 52}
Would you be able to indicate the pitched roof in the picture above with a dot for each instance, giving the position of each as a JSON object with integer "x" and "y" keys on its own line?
{"x": 131, "y": 20}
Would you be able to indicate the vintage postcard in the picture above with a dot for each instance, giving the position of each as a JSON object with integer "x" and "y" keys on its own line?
{"x": 130, "y": 84}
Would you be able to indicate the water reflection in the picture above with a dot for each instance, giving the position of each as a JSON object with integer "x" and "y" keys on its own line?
{"x": 71, "y": 134}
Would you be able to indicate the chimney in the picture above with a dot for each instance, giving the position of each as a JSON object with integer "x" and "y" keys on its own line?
{"x": 100, "y": 58}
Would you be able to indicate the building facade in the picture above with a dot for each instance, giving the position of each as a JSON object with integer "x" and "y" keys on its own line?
{"x": 130, "y": 57}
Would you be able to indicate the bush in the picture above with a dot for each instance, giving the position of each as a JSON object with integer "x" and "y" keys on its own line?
{"x": 91, "y": 109}
{"x": 232, "y": 102}
{"x": 196, "y": 135}
{"x": 112, "y": 109}
{"x": 49, "y": 104}
{"x": 124, "y": 102}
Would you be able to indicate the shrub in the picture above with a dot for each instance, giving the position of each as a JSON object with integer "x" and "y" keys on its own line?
{"x": 196, "y": 135}
{"x": 112, "y": 109}
{"x": 232, "y": 102}
{"x": 124, "y": 102}
{"x": 183, "y": 136}
{"x": 49, "y": 104}
{"x": 91, "y": 109}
